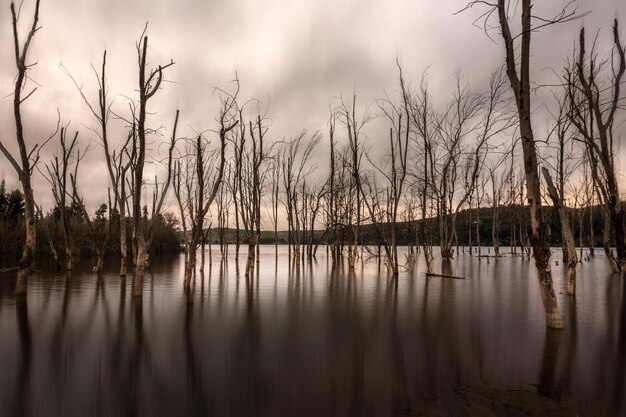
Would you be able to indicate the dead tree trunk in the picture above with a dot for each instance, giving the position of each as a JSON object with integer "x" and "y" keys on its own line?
{"x": 57, "y": 176}
{"x": 356, "y": 153}
{"x": 206, "y": 189}
{"x": 593, "y": 105}
{"x": 149, "y": 84}
{"x": 294, "y": 157}
{"x": 117, "y": 168}
{"x": 566, "y": 231}
{"x": 257, "y": 133}
{"x": 520, "y": 84}
{"x": 28, "y": 160}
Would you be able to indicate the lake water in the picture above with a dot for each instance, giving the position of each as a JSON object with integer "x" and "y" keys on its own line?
{"x": 315, "y": 341}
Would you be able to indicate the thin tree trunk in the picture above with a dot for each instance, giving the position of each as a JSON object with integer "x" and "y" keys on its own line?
{"x": 140, "y": 267}
{"x": 606, "y": 240}
{"x": 123, "y": 243}
{"x": 494, "y": 231}
{"x": 190, "y": 268}
{"x": 567, "y": 233}
{"x": 592, "y": 238}
{"x": 99, "y": 261}
{"x": 23, "y": 171}
{"x": 520, "y": 85}
{"x": 478, "y": 231}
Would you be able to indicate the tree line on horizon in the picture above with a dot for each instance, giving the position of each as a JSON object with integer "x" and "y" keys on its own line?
{"x": 495, "y": 228}
{"x": 437, "y": 159}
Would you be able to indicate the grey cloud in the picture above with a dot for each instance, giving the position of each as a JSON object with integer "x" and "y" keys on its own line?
{"x": 298, "y": 56}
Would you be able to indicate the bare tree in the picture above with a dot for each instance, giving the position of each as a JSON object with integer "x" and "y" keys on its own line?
{"x": 594, "y": 103}
{"x": 117, "y": 165}
{"x": 181, "y": 183}
{"x": 199, "y": 206}
{"x": 510, "y": 196}
{"x": 223, "y": 201}
{"x": 468, "y": 116}
{"x": 294, "y": 163}
{"x": 424, "y": 122}
{"x": 565, "y": 165}
{"x": 564, "y": 216}
{"x": 149, "y": 84}
{"x": 411, "y": 204}
{"x": 58, "y": 173}
{"x": 520, "y": 84}
{"x": 556, "y": 192}
{"x": 27, "y": 158}
{"x": 580, "y": 207}
{"x": 481, "y": 191}
{"x": 519, "y": 77}
{"x": 236, "y": 179}
{"x": 589, "y": 202}
{"x": 384, "y": 204}
{"x": 496, "y": 199}
{"x": 252, "y": 155}
{"x": 99, "y": 227}
{"x": 334, "y": 226}
{"x": 354, "y": 127}
{"x": 202, "y": 186}
{"x": 316, "y": 194}
{"x": 453, "y": 127}
{"x": 275, "y": 195}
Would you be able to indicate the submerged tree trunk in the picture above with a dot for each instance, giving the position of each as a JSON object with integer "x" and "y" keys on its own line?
{"x": 606, "y": 241}
{"x": 140, "y": 266}
{"x": 495, "y": 225}
{"x": 202, "y": 253}
{"x": 250, "y": 258}
{"x": 29, "y": 244}
{"x": 478, "y": 247}
{"x": 190, "y": 268}
{"x": 566, "y": 230}
{"x": 25, "y": 170}
{"x": 123, "y": 228}
{"x": 594, "y": 104}
{"x": 580, "y": 235}
{"x": 69, "y": 257}
{"x": 149, "y": 84}
{"x": 99, "y": 261}
{"x": 123, "y": 243}
{"x": 592, "y": 238}
{"x": 520, "y": 84}
{"x": 469, "y": 227}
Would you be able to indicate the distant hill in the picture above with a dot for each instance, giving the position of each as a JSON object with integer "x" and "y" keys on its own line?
{"x": 509, "y": 217}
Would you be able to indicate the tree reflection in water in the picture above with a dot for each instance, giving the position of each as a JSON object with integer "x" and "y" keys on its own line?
{"x": 317, "y": 339}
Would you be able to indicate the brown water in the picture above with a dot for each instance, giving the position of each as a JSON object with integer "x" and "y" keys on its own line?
{"x": 311, "y": 342}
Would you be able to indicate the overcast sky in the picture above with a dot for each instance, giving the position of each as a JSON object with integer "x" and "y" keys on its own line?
{"x": 297, "y": 56}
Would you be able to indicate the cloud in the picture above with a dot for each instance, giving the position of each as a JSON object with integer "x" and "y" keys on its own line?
{"x": 296, "y": 56}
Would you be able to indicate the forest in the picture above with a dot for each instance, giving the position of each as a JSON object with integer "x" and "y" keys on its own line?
{"x": 410, "y": 168}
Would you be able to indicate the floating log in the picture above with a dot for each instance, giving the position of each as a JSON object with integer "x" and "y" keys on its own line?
{"x": 432, "y": 274}
{"x": 13, "y": 268}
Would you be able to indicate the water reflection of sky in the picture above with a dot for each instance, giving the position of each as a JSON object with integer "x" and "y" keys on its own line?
{"x": 313, "y": 341}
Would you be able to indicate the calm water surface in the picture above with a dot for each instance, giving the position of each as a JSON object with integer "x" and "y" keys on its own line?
{"x": 309, "y": 342}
